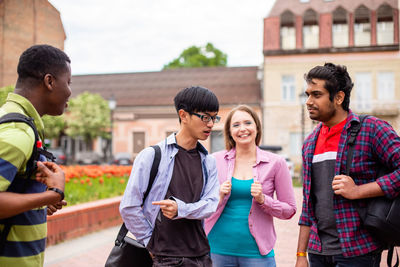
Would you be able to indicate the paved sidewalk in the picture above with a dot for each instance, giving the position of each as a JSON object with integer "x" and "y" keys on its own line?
{"x": 92, "y": 250}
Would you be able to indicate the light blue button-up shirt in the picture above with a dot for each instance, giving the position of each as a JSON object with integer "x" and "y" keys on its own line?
{"x": 140, "y": 221}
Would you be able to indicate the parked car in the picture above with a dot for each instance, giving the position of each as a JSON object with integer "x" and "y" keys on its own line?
{"x": 88, "y": 158}
{"x": 61, "y": 157}
{"x": 122, "y": 158}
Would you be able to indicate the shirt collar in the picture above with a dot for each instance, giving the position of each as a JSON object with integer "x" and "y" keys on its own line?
{"x": 171, "y": 140}
{"x": 26, "y": 107}
{"x": 260, "y": 156}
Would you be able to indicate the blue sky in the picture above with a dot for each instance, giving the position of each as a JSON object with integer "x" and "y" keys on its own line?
{"x": 143, "y": 35}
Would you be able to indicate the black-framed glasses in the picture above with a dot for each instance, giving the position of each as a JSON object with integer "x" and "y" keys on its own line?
{"x": 207, "y": 118}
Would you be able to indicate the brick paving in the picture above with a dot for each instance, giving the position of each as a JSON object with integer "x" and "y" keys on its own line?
{"x": 92, "y": 250}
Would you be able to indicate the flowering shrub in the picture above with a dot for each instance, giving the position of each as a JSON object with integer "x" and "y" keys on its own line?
{"x": 93, "y": 182}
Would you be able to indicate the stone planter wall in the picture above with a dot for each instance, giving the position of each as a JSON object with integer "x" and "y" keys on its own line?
{"x": 78, "y": 220}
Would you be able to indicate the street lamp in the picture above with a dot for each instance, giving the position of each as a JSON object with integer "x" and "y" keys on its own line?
{"x": 112, "y": 103}
{"x": 303, "y": 98}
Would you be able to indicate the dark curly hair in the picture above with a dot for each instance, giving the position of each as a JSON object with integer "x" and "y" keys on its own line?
{"x": 336, "y": 79}
{"x": 39, "y": 60}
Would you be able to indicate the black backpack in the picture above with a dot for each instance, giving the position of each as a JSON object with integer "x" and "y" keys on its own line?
{"x": 381, "y": 215}
{"x": 30, "y": 166}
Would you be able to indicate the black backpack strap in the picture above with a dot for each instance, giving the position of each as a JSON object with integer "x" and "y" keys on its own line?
{"x": 354, "y": 129}
{"x": 18, "y": 117}
{"x": 154, "y": 169}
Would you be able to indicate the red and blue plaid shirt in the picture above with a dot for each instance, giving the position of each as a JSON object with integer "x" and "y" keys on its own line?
{"x": 376, "y": 144}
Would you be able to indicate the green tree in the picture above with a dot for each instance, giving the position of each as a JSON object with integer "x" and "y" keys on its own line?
{"x": 205, "y": 56}
{"x": 4, "y": 92}
{"x": 53, "y": 125}
{"x": 89, "y": 117}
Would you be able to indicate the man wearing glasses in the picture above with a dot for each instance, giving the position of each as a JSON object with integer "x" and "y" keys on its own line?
{"x": 185, "y": 190}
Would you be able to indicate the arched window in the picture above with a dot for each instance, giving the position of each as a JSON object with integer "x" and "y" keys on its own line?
{"x": 340, "y": 28}
{"x": 362, "y": 26}
{"x": 288, "y": 31}
{"x": 310, "y": 29}
{"x": 385, "y": 26}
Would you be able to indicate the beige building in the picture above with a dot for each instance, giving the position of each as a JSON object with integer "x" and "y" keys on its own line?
{"x": 145, "y": 113}
{"x": 300, "y": 34}
{"x": 24, "y": 23}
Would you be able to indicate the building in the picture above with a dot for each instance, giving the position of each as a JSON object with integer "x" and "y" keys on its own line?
{"x": 145, "y": 113}
{"x": 24, "y": 23}
{"x": 300, "y": 34}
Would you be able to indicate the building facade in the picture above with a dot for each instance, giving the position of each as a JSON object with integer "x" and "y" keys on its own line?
{"x": 300, "y": 34}
{"x": 24, "y": 23}
{"x": 145, "y": 112}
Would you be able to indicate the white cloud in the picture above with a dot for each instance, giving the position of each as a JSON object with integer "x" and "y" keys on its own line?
{"x": 143, "y": 35}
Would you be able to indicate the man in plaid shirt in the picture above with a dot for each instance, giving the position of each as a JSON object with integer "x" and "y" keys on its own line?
{"x": 330, "y": 227}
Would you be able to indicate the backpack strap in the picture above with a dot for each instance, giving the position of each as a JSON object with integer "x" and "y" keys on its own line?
{"x": 18, "y": 117}
{"x": 354, "y": 129}
{"x": 154, "y": 169}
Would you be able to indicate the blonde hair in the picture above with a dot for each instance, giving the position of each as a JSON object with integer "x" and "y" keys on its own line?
{"x": 229, "y": 142}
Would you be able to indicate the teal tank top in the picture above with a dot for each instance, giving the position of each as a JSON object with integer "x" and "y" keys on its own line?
{"x": 231, "y": 234}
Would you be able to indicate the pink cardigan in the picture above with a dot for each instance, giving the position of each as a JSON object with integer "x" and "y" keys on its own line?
{"x": 272, "y": 172}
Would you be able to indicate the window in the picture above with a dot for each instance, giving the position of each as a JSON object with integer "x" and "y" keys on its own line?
{"x": 362, "y": 27}
{"x": 385, "y": 86}
{"x": 138, "y": 142}
{"x": 340, "y": 28}
{"x": 310, "y": 29}
{"x": 363, "y": 89}
{"x": 385, "y": 26}
{"x": 217, "y": 141}
{"x": 288, "y": 88}
{"x": 288, "y": 31}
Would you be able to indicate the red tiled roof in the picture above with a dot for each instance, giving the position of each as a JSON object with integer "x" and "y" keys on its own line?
{"x": 232, "y": 85}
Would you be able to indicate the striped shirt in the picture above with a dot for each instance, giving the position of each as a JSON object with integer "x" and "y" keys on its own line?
{"x": 376, "y": 144}
{"x": 27, "y": 238}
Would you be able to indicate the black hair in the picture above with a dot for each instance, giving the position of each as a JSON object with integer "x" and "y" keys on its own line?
{"x": 336, "y": 79}
{"x": 39, "y": 60}
{"x": 196, "y": 99}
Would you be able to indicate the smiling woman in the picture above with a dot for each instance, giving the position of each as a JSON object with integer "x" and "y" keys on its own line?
{"x": 248, "y": 178}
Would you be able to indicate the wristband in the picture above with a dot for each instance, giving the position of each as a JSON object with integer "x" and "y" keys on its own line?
{"x": 301, "y": 254}
{"x": 57, "y": 191}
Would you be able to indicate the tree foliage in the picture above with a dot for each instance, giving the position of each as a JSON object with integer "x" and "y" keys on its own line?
{"x": 88, "y": 116}
{"x": 53, "y": 125}
{"x": 205, "y": 56}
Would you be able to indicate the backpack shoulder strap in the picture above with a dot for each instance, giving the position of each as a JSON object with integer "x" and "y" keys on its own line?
{"x": 18, "y": 117}
{"x": 154, "y": 169}
{"x": 354, "y": 130}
